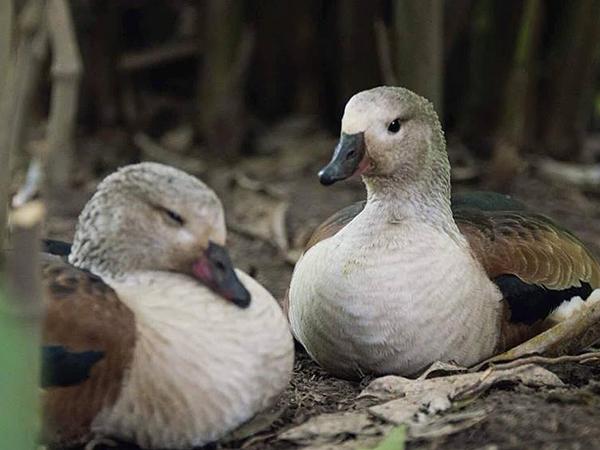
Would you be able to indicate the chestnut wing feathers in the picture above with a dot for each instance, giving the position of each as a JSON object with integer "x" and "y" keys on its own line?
{"x": 535, "y": 263}
{"x": 88, "y": 338}
{"x": 335, "y": 223}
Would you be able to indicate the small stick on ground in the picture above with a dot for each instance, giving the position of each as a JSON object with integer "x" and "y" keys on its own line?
{"x": 538, "y": 359}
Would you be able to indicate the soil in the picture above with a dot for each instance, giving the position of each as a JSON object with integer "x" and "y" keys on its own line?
{"x": 518, "y": 417}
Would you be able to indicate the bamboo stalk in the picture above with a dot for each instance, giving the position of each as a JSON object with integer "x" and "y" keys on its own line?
{"x": 419, "y": 47}
{"x": 20, "y": 324}
{"x": 6, "y": 24}
{"x": 15, "y": 99}
{"x": 384, "y": 53}
{"x": 516, "y": 114}
{"x": 66, "y": 76}
{"x": 573, "y": 67}
{"x": 226, "y": 59}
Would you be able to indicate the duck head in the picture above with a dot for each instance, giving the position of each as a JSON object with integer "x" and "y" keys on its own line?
{"x": 387, "y": 133}
{"x": 152, "y": 217}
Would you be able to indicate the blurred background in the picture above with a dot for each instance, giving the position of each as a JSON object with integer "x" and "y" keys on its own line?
{"x": 210, "y": 78}
{"x": 248, "y": 95}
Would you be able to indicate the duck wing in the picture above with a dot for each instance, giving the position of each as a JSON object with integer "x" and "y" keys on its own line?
{"x": 88, "y": 339}
{"x": 335, "y": 223}
{"x": 536, "y": 263}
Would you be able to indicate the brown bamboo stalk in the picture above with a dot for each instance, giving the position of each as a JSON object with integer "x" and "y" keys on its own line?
{"x": 384, "y": 53}
{"x": 573, "y": 66}
{"x": 419, "y": 47}
{"x": 516, "y": 113}
{"x": 221, "y": 99}
{"x": 358, "y": 65}
{"x": 66, "y": 76}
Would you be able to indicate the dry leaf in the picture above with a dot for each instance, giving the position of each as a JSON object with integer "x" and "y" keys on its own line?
{"x": 258, "y": 423}
{"x": 332, "y": 427}
{"x": 259, "y": 211}
{"x": 435, "y": 395}
{"x": 447, "y": 424}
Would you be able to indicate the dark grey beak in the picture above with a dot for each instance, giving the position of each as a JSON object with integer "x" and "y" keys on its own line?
{"x": 215, "y": 269}
{"x": 347, "y": 156}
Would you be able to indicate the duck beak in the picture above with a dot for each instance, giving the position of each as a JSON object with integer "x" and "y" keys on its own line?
{"x": 215, "y": 270}
{"x": 346, "y": 161}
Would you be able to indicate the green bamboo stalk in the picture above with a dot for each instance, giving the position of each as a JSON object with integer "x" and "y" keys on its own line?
{"x": 20, "y": 316}
{"x": 6, "y": 25}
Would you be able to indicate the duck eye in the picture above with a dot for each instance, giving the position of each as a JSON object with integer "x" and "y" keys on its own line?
{"x": 175, "y": 217}
{"x": 394, "y": 126}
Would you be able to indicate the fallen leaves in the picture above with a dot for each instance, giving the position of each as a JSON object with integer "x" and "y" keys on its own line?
{"x": 259, "y": 211}
{"x": 334, "y": 427}
{"x": 428, "y": 407}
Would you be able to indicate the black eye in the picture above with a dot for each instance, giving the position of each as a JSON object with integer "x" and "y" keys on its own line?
{"x": 394, "y": 126}
{"x": 175, "y": 217}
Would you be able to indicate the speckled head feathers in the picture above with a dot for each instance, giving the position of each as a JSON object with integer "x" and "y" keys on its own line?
{"x": 405, "y": 149}
{"x": 400, "y": 151}
{"x": 384, "y": 104}
{"x": 147, "y": 216}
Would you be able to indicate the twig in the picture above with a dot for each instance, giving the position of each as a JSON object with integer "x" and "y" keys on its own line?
{"x": 538, "y": 359}
{"x": 162, "y": 54}
{"x": 66, "y": 76}
{"x": 384, "y": 52}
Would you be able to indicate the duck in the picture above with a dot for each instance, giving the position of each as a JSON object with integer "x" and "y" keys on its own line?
{"x": 413, "y": 275}
{"x": 151, "y": 336}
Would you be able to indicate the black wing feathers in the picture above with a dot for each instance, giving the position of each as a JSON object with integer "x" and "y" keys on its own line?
{"x": 61, "y": 367}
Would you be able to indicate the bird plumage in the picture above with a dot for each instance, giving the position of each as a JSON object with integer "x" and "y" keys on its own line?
{"x": 411, "y": 275}
{"x": 150, "y": 336}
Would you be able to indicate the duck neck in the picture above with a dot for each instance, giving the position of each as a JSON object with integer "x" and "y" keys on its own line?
{"x": 424, "y": 199}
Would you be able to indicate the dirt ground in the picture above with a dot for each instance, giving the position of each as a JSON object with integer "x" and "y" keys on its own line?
{"x": 282, "y": 176}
